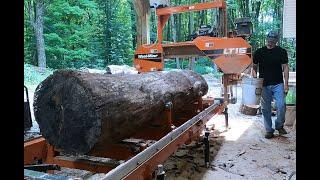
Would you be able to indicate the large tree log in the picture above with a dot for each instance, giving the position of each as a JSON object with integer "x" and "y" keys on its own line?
{"x": 77, "y": 111}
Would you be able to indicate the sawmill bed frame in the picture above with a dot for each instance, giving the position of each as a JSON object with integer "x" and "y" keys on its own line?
{"x": 134, "y": 158}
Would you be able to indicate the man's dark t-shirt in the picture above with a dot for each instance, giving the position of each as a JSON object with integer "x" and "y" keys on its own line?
{"x": 270, "y": 64}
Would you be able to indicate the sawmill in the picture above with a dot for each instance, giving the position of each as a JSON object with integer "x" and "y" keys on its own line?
{"x": 126, "y": 125}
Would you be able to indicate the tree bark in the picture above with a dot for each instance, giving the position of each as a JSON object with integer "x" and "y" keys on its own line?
{"x": 168, "y": 30}
{"x": 178, "y": 22}
{"x": 202, "y": 15}
{"x": 191, "y": 22}
{"x": 142, "y": 8}
{"x": 246, "y": 8}
{"x": 36, "y": 21}
{"x": 191, "y": 63}
{"x": 247, "y": 110}
{"x": 290, "y": 115}
{"x": 256, "y": 8}
{"x": 79, "y": 111}
{"x": 174, "y": 38}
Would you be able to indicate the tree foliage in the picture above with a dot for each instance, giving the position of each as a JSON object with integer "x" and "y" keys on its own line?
{"x": 83, "y": 33}
{"x": 95, "y": 33}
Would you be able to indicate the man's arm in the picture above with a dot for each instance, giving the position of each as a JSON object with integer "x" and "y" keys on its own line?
{"x": 285, "y": 69}
{"x": 254, "y": 70}
{"x": 255, "y": 62}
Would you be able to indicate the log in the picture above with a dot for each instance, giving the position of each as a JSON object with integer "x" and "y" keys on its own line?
{"x": 294, "y": 125}
{"x": 290, "y": 115}
{"x": 248, "y": 110}
{"x": 78, "y": 111}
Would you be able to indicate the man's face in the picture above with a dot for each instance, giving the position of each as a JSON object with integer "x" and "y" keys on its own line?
{"x": 271, "y": 42}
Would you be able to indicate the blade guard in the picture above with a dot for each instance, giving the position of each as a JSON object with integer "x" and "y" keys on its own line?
{"x": 233, "y": 64}
{"x": 231, "y": 55}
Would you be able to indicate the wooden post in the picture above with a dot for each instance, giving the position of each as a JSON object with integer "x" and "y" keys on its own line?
{"x": 142, "y": 8}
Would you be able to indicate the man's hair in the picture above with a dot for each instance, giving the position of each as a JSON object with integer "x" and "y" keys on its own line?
{"x": 273, "y": 34}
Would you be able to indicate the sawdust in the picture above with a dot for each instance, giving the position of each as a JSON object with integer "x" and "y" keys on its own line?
{"x": 192, "y": 165}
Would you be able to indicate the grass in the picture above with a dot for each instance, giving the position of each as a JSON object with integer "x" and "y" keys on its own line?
{"x": 291, "y": 97}
{"x": 32, "y": 76}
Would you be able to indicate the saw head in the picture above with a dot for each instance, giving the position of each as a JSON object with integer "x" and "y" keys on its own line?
{"x": 231, "y": 55}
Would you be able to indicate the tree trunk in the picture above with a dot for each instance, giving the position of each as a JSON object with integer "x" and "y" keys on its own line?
{"x": 191, "y": 63}
{"x": 257, "y": 10}
{"x": 246, "y": 8}
{"x": 142, "y": 8}
{"x": 133, "y": 26}
{"x": 37, "y": 23}
{"x": 191, "y": 22}
{"x": 174, "y": 38}
{"x": 178, "y": 27}
{"x": 242, "y": 7}
{"x": 107, "y": 34}
{"x": 79, "y": 111}
{"x": 168, "y": 30}
{"x": 202, "y": 15}
{"x": 256, "y": 7}
{"x": 213, "y": 17}
{"x": 280, "y": 15}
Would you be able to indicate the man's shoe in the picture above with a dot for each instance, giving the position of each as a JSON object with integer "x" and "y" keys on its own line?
{"x": 282, "y": 131}
{"x": 268, "y": 135}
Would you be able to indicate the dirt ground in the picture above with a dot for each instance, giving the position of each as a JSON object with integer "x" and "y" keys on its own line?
{"x": 241, "y": 152}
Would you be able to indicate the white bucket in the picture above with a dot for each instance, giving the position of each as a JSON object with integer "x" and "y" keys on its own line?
{"x": 251, "y": 90}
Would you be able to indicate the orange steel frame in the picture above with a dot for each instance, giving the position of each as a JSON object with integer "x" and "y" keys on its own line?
{"x": 225, "y": 52}
{"x": 163, "y": 16}
{"x": 164, "y": 13}
{"x": 39, "y": 149}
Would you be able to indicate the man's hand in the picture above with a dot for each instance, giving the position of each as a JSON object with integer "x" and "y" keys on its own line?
{"x": 254, "y": 70}
{"x": 254, "y": 74}
{"x": 285, "y": 68}
{"x": 286, "y": 89}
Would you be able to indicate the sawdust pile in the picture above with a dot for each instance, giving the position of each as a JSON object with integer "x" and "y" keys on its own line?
{"x": 188, "y": 161}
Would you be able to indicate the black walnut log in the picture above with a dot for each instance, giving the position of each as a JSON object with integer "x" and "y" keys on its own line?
{"x": 248, "y": 110}
{"x": 78, "y": 111}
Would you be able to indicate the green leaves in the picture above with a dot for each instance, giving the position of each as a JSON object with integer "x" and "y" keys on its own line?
{"x": 118, "y": 32}
{"x": 71, "y": 27}
{"x": 84, "y": 33}
{"x": 291, "y": 97}
{"x": 95, "y": 33}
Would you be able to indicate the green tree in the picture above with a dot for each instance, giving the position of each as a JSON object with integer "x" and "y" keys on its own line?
{"x": 95, "y": 33}
{"x": 117, "y": 26}
{"x": 35, "y": 9}
{"x": 72, "y": 33}
{"x": 29, "y": 41}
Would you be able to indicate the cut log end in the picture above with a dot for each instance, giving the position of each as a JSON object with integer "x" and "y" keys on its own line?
{"x": 248, "y": 110}
{"x": 64, "y": 111}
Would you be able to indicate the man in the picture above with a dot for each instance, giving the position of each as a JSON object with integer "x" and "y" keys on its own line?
{"x": 271, "y": 61}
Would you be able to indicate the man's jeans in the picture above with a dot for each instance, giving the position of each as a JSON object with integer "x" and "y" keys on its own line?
{"x": 268, "y": 93}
